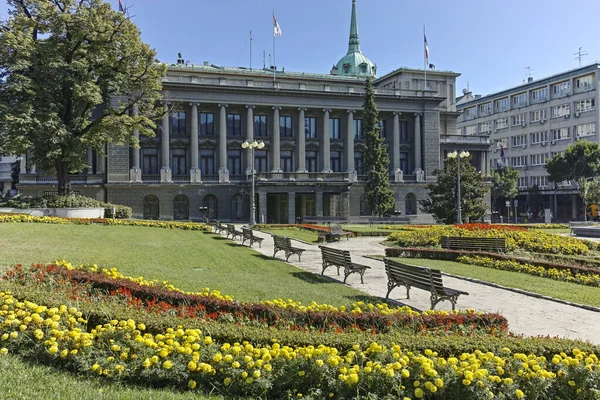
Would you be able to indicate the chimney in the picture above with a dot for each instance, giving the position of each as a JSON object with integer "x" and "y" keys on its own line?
{"x": 529, "y": 79}
{"x": 206, "y": 63}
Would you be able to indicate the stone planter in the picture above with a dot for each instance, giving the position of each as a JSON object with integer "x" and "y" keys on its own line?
{"x": 91, "y": 212}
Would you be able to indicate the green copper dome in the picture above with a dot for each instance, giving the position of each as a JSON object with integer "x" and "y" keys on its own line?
{"x": 354, "y": 63}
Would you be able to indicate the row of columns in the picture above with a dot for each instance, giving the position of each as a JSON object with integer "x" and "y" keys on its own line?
{"x": 165, "y": 171}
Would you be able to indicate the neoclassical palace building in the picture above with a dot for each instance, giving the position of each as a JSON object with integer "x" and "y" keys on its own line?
{"x": 311, "y": 126}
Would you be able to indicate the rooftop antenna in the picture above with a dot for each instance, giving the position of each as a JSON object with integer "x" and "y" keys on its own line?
{"x": 264, "y": 64}
{"x": 580, "y": 55}
{"x": 529, "y": 74}
{"x": 250, "y": 49}
{"x": 468, "y": 90}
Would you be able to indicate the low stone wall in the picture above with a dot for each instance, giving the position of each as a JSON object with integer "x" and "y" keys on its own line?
{"x": 586, "y": 231}
{"x": 92, "y": 212}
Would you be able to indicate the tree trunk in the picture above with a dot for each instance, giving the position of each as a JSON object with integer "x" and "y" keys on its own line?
{"x": 62, "y": 176}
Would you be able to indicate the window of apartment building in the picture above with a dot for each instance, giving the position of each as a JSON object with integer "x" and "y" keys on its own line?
{"x": 179, "y": 162}
{"x": 539, "y": 115}
{"x": 234, "y": 162}
{"x": 502, "y": 123}
{"x": 485, "y": 127}
{"x": 404, "y": 162}
{"x": 540, "y": 181}
{"x": 312, "y": 161}
{"x": 539, "y": 137}
{"x": 286, "y": 161}
{"x": 207, "y": 124}
{"x": 519, "y": 140}
{"x": 207, "y": 162}
{"x": 150, "y": 161}
{"x": 335, "y": 161}
{"x": 519, "y": 119}
{"x": 584, "y": 82}
{"x": 334, "y": 128}
{"x": 561, "y": 134}
{"x": 502, "y": 104}
{"x": 382, "y": 128}
{"x": 459, "y": 131}
{"x": 470, "y": 112}
{"x": 518, "y": 161}
{"x": 585, "y": 130}
{"x": 540, "y": 94}
{"x": 585, "y": 105}
{"x": 562, "y": 88}
{"x": 519, "y": 100}
{"x": 285, "y": 126}
{"x": 358, "y": 162}
{"x": 538, "y": 159}
{"x": 471, "y": 130}
{"x": 260, "y": 161}
{"x": 358, "y": 133}
{"x": 561, "y": 111}
{"x": 404, "y": 131}
{"x": 260, "y": 125}
{"x": 522, "y": 182}
{"x": 178, "y": 123}
{"x": 485, "y": 109}
{"x": 501, "y": 143}
{"x": 310, "y": 127}
{"x": 234, "y": 125}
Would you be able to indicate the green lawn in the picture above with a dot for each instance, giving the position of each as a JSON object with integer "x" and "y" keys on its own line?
{"x": 189, "y": 259}
{"x": 561, "y": 290}
{"x": 556, "y": 231}
{"x": 302, "y": 234}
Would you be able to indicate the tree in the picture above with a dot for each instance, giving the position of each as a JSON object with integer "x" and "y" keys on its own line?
{"x": 504, "y": 184}
{"x": 74, "y": 74}
{"x": 580, "y": 164}
{"x": 442, "y": 201}
{"x": 378, "y": 191}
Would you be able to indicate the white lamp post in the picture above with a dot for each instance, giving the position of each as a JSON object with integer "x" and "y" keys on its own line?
{"x": 507, "y": 204}
{"x": 252, "y": 146}
{"x": 458, "y": 156}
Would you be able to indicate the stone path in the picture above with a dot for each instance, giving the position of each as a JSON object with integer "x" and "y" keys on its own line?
{"x": 526, "y": 314}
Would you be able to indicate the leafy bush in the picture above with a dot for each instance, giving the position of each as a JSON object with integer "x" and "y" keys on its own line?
{"x": 121, "y": 212}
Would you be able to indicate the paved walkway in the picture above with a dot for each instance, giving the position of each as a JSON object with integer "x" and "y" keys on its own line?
{"x": 526, "y": 314}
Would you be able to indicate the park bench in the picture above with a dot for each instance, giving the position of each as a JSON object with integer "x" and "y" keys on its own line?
{"x": 323, "y": 220}
{"x": 580, "y": 224}
{"x": 473, "y": 243}
{"x": 233, "y": 232}
{"x": 336, "y": 232}
{"x": 248, "y": 234}
{"x": 219, "y": 227}
{"x": 285, "y": 244}
{"x": 401, "y": 274}
{"x": 341, "y": 259}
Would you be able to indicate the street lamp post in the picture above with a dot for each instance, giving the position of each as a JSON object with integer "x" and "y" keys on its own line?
{"x": 507, "y": 204}
{"x": 516, "y": 203}
{"x": 252, "y": 146}
{"x": 458, "y": 156}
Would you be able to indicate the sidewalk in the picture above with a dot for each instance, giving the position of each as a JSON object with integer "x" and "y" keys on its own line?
{"x": 526, "y": 314}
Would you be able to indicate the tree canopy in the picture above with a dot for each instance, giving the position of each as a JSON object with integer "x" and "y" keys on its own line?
{"x": 378, "y": 191}
{"x": 504, "y": 184}
{"x": 74, "y": 74}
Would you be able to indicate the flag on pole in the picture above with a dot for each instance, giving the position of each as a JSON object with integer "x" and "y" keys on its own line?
{"x": 426, "y": 48}
{"x": 276, "y": 27}
{"x": 121, "y": 8}
{"x": 502, "y": 155}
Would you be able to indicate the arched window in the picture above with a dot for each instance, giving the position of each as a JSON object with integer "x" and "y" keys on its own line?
{"x": 238, "y": 209}
{"x": 363, "y": 68}
{"x": 181, "y": 208}
{"x": 410, "y": 204}
{"x": 151, "y": 207}
{"x": 365, "y": 207}
{"x": 346, "y": 68}
{"x": 211, "y": 202}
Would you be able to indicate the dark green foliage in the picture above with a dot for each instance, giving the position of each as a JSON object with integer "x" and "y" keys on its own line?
{"x": 504, "y": 184}
{"x": 378, "y": 191}
{"x": 442, "y": 201}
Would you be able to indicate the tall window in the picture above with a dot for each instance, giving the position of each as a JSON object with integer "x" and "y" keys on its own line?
{"x": 207, "y": 162}
{"x": 471, "y": 130}
{"x": 382, "y": 128}
{"x": 502, "y": 104}
{"x": 335, "y": 159}
{"x": 310, "y": 127}
{"x": 404, "y": 131}
{"x": 311, "y": 161}
{"x": 207, "y": 124}
{"x": 585, "y": 105}
{"x": 178, "y": 162}
{"x": 334, "y": 128}
{"x": 586, "y": 129}
{"x": 286, "y": 161}
{"x": 519, "y": 100}
{"x": 561, "y": 111}
{"x": 285, "y": 126}
{"x": 234, "y": 125}
{"x": 260, "y": 160}
{"x": 358, "y": 162}
{"x": 150, "y": 161}
{"x": 260, "y": 125}
{"x": 178, "y": 123}
{"x": 358, "y": 134}
{"x": 234, "y": 162}
{"x": 404, "y": 161}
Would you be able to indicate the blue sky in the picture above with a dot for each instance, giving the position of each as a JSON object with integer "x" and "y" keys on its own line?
{"x": 489, "y": 42}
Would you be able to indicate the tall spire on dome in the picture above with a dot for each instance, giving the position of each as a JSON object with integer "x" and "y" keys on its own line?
{"x": 354, "y": 43}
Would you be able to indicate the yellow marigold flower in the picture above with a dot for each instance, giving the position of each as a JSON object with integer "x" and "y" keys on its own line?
{"x": 207, "y": 340}
{"x": 53, "y": 349}
{"x": 167, "y": 365}
{"x": 244, "y": 374}
{"x": 519, "y": 394}
{"x": 235, "y": 364}
{"x": 192, "y": 384}
{"x": 439, "y": 383}
{"x": 4, "y": 351}
{"x": 466, "y": 382}
{"x": 64, "y": 353}
{"x": 256, "y": 374}
{"x": 227, "y": 381}
{"x": 419, "y": 393}
{"x": 4, "y": 337}
{"x": 572, "y": 383}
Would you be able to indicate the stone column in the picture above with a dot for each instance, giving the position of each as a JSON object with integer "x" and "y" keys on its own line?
{"x": 90, "y": 159}
{"x": 325, "y": 147}
{"x": 395, "y": 153}
{"x": 135, "y": 173}
{"x": 23, "y": 164}
{"x": 99, "y": 163}
{"x": 350, "y": 142}
{"x": 301, "y": 141}
{"x": 195, "y": 175}
{"x": 418, "y": 142}
{"x": 431, "y": 140}
{"x": 262, "y": 207}
{"x": 291, "y": 207}
{"x": 276, "y": 141}
{"x": 482, "y": 163}
{"x": 249, "y": 137}
{"x": 574, "y": 206}
{"x": 165, "y": 170}
{"x": 223, "y": 171}
{"x": 319, "y": 203}
{"x": 346, "y": 205}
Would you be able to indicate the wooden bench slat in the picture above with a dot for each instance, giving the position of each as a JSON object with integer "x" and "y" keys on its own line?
{"x": 473, "y": 243}
{"x": 285, "y": 244}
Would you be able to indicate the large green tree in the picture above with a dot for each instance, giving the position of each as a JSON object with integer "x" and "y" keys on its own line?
{"x": 442, "y": 201}
{"x": 580, "y": 164}
{"x": 504, "y": 184}
{"x": 72, "y": 72}
{"x": 378, "y": 191}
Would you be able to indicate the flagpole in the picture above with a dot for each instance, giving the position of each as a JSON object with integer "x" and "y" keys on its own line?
{"x": 274, "y": 63}
{"x": 424, "y": 60}
{"x": 250, "y": 49}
